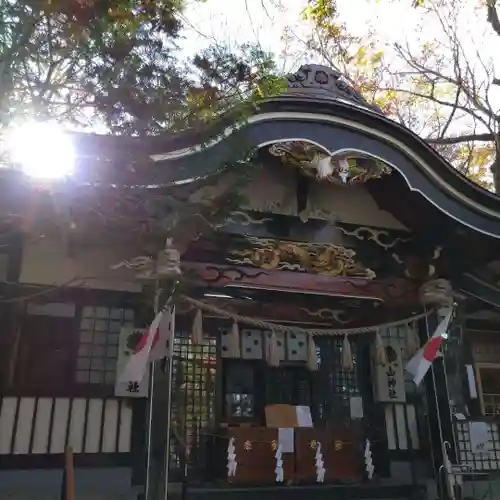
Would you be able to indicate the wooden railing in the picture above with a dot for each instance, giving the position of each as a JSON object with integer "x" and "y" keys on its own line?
{"x": 37, "y": 426}
{"x": 401, "y": 426}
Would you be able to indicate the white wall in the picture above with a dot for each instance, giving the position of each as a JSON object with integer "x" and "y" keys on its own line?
{"x": 271, "y": 191}
{"x": 46, "y": 262}
{"x": 34, "y": 426}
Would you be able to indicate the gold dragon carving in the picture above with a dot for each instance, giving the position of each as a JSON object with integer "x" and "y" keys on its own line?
{"x": 325, "y": 259}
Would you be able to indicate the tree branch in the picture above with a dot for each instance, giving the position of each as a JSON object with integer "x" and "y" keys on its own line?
{"x": 452, "y": 114}
{"x": 462, "y": 138}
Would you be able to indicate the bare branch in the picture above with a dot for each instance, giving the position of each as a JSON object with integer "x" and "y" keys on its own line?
{"x": 461, "y": 138}
{"x": 441, "y": 102}
{"x": 452, "y": 114}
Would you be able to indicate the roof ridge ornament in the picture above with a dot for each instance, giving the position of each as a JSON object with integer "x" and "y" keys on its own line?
{"x": 314, "y": 80}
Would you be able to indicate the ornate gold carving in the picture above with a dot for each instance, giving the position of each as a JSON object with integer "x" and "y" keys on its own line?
{"x": 247, "y": 445}
{"x": 314, "y": 161}
{"x": 313, "y": 444}
{"x": 376, "y": 235}
{"x": 338, "y": 445}
{"x": 322, "y": 258}
{"x": 274, "y": 445}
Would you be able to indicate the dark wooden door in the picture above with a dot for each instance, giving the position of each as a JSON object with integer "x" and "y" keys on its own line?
{"x": 46, "y": 353}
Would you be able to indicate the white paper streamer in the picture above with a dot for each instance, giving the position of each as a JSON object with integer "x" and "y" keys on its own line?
{"x": 279, "y": 465}
{"x": 320, "y": 465}
{"x": 370, "y": 469}
{"x": 231, "y": 459}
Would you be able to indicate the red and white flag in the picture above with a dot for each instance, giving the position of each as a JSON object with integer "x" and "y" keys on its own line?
{"x": 153, "y": 346}
{"x": 420, "y": 363}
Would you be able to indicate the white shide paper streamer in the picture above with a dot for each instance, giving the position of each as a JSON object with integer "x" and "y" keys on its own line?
{"x": 320, "y": 465}
{"x": 368, "y": 460}
{"x": 279, "y": 465}
{"x": 231, "y": 459}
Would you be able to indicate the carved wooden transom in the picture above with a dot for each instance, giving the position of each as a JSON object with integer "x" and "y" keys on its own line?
{"x": 342, "y": 169}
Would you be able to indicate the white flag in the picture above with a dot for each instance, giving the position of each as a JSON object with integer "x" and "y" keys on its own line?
{"x": 164, "y": 336}
{"x": 422, "y": 360}
{"x": 153, "y": 346}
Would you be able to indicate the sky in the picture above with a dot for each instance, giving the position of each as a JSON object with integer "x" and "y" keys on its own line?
{"x": 262, "y": 21}
{"x": 393, "y": 21}
{"x": 265, "y": 22}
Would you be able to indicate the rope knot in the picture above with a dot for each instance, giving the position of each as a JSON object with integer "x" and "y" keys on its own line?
{"x": 168, "y": 264}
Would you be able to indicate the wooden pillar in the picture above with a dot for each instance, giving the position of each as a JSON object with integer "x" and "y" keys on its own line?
{"x": 68, "y": 483}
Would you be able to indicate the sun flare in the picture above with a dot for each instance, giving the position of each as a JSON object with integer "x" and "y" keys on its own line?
{"x": 41, "y": 150}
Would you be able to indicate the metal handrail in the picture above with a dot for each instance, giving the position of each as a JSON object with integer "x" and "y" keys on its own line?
{"x": 459, "y": 472}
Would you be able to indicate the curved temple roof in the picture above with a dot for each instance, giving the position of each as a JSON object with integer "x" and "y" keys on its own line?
{"x": 319, "y": 108}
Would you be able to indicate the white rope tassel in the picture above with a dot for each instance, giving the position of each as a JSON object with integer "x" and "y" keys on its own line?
{"x": 279, "y": 465}
{"x": 346, "y": 359}
{"x": 379, "y": 351}
{"x": 320, "y": 465}
{"x": 197, "y": 332}
{"x": 312, "y": 358}
{"x": 168, "y": 262}
{"x": 231, "y": 459}
{"x": 234, "y": 341}
{"x": 273, "y": 358}
{"x": 412, "y": 340}
{"x": 370, "y": 469}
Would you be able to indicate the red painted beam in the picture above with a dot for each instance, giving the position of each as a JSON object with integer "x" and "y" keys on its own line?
{"x": 395, "y": 291}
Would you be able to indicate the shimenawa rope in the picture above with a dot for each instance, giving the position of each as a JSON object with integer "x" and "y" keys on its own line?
{"x": 265, "y": 325}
